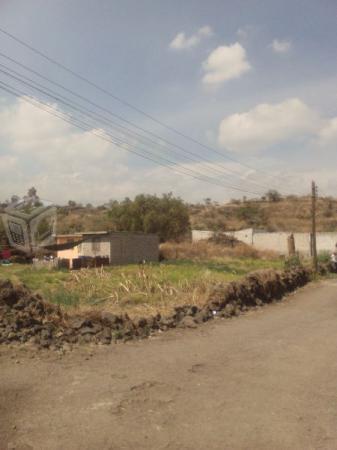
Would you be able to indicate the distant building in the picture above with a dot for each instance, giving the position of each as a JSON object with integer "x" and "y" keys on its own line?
{"x": 119, "y": 247}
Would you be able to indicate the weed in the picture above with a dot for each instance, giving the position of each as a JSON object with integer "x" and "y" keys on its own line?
{"x": 66, "y": 298}
{"x": 292, "y": 262}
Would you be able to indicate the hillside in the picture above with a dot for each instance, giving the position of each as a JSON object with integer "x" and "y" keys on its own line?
{"x": 289, "y": 214}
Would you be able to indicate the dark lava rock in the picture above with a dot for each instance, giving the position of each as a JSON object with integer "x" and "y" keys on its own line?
{"x": 78, "y": 322}
{"x": 187, "y": 322}
{"x": 88, "y": 330}
{"x": 109, "y": 319}
{"x": 105, "y": 336}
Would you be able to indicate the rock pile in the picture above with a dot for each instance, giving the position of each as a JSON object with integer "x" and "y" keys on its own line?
{"x": 25, "y": 316}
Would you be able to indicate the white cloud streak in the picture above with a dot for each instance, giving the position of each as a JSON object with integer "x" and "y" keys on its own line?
{"x": 183, "y": 42}
{"x": 280, "y": 46}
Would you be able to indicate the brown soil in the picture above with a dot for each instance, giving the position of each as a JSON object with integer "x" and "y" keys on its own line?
{"x": 265, "y": 380}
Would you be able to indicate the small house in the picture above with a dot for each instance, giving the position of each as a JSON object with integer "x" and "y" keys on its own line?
{"x": 118, "y": 247}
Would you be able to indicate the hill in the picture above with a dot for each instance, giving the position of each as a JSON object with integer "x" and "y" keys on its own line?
{"x": 288, "y": 214}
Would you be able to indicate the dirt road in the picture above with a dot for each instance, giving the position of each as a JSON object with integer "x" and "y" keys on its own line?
{"x": 266, "y": 380}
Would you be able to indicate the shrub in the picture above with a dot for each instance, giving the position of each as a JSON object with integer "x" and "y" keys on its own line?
{"x": 324, "y": 257}
{"x": 166, "y": 216}
{"x": 251, "y": 214}
{"x": 292, "y": 262}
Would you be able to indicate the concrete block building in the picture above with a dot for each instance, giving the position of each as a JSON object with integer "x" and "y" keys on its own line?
{"x": 120, "y": 247}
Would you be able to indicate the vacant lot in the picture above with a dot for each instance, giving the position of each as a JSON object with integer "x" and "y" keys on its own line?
{"x": 135, "y": 289}
{"x": 265, "y": 380}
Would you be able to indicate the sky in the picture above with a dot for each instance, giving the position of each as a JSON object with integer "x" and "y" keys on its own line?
{"x": 254, "y": 82}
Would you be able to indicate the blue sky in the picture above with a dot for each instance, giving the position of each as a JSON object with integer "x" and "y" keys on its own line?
{"x": 255, "y": 80}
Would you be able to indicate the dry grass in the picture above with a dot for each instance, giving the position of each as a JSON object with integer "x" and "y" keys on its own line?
{"x": 138, "y": 290}
{"x": 289, "y": 214}
{"x": 143, "y": 292}
{"x": 206, "y": 250}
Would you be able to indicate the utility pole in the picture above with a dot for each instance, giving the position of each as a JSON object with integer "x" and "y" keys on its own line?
{"x": 313, "y": 225}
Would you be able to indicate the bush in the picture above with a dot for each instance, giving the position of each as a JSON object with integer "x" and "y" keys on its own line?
{"x": 273, "y": 196}
{"x": 166, "y": 216}
{"x": 251, "y": 214}
{"x": 292, "y": 262}
{"x": 324, "y": 257}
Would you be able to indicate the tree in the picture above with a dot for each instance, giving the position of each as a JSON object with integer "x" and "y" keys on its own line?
{"x": 14, "y": 200}
{"x": 32, "y": 199}
{"x": 273, "y": 195}
{"x": 166, "y": 216}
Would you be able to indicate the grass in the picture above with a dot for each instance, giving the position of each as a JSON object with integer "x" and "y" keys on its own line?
{"x": 136, "y": 290}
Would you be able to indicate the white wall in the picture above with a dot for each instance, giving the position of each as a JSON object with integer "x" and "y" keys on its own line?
{"x": 242, "y": 235}
{"x": 245, "y": 236}
{"x": 277, "y": 241}
{"x": 199, "y": 235}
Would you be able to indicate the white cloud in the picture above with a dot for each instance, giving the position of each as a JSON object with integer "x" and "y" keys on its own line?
{"x": 268, "y": 124}
{"x": 225, "y": 63}
{"x": 328, "y": 133}
{"x": 279, "y": 46}
{"x": 182, "y": 42}
{"x": 64, "y": 163}
{"x": 60, "y": 159}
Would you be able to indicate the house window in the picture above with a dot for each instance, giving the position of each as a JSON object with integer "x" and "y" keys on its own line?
{"x": 95, "y": 245}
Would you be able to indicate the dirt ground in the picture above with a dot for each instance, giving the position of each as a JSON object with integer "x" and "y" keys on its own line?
{"x": 265, "y": 380}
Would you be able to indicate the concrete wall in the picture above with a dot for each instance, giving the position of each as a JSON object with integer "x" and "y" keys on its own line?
{"x": 326, "y": 241}
{"x": 199, "y": 235}
{"x": 277, "y": 241}
{"x": 246, "y": 236}
{"x": 97, "y": 246}
{"x": 242, "y": 235}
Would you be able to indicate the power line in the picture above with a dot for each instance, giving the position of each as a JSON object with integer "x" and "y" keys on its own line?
{"x": 226, "y": 169}
{"x": 86, "y": 127}
{"x": 128, "y": 104}
{"x": 163, "y": 158}
{"x": 91, "y": 114}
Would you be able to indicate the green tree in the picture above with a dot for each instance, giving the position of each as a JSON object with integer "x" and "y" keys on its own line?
{"x": 273, "y": 196}
{"x": 166, "y": 216}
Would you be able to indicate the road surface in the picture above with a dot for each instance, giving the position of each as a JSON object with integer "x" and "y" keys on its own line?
{"x": 265, "y": 380}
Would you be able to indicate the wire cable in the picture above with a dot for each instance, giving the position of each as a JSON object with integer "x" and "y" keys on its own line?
{"x": 228, "y": 170}
{"x": 119, "y": 144}
{"x": 128, "y": 104}
{"x": 78, "y": 108}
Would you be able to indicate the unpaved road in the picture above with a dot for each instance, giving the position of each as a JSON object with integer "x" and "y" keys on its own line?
{"x": 266, "y": 380}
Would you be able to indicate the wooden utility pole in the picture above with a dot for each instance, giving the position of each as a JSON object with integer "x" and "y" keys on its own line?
{"x": 313, "y": 226}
